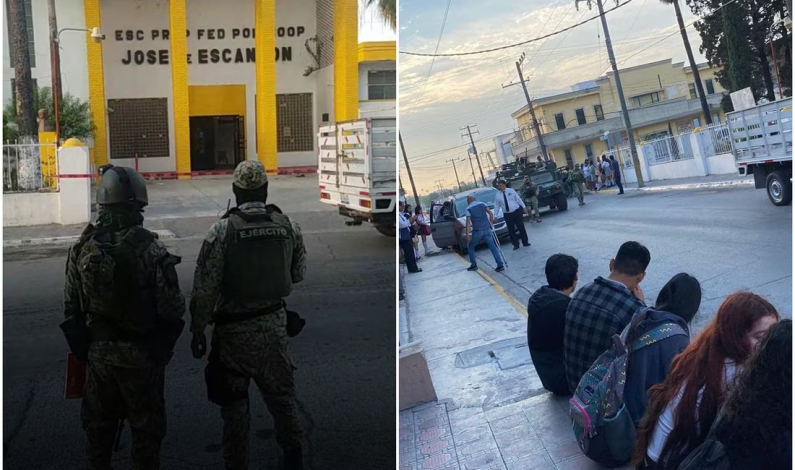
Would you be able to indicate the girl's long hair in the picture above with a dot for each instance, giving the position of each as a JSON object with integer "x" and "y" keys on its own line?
{"x": 757, "y": 423}
{"x": 700, "y": 366}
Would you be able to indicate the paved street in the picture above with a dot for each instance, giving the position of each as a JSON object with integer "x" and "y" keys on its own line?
{"x": 728, "y": 238}
{"x": 492, "y": 412}
{"x": 345, "y": 356}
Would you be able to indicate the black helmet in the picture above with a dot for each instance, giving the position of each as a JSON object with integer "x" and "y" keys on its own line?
{"x": 121, "y": 185}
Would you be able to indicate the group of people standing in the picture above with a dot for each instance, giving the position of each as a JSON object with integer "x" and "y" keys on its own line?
{"x": 605, "y": 173}
{"x": 721, "y": 400}
{"x": 414, "y": 225}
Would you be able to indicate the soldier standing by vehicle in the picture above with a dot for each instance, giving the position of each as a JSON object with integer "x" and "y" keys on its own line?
{"x": 577, "y": 181}
{"x": 248, "y": 263}
{"x": 124, "y": 313}
{"x": 530, "y": 192}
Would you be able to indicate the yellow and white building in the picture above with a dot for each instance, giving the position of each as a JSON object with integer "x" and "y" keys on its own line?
{"x": 200, "y": 85}
{"x": 661, "y": 97}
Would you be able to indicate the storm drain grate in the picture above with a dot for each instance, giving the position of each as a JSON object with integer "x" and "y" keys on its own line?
{"x": 507, "y": 354}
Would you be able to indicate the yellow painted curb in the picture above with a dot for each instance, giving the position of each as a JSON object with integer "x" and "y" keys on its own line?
{"x": 514, "y": 303}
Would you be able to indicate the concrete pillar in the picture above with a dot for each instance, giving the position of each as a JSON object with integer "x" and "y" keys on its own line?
{"x": 177, "y": 15}
{"x": 702, "y": 168}
{"x": 265, "y": 45}
{"x": 96, "y": 83}
{"x": 643, "y": 151}
{"x": 74, "y": 193}
{"x": 415, "y": 382}
{"x": 346, "y": 60}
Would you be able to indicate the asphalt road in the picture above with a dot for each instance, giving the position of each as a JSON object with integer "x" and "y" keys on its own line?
{"x": 345, "y": 359}
{"x": 730, "y": 239}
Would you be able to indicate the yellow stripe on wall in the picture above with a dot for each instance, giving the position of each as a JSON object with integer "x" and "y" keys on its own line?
{"x": 179, "y": 85}
{"x": 265, "y": 45}
{"x": 96, "y": 83}
{"x": 346, "y": 63}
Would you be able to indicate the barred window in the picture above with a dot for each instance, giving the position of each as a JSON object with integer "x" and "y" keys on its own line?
{"x": 381, "y": 85}
{"x": 138, "y": 127}
{"x": 295, "y": 129}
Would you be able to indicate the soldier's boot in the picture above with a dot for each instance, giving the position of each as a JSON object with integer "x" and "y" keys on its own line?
{"x": 293, "y": 459}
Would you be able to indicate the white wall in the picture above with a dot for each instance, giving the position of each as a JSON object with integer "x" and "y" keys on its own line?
{"x": 21, "y": 209}
{"x": 721, "y": 164}
{"x": 73, "y": 49}
{"x": 380, "y": 108}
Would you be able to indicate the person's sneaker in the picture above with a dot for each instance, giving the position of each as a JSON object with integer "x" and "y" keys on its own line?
{"x": 500, "y": 269}
{"x": 538, "y": 221}
{"x": 526, "y": 244}
{"x": 472, "y": 268}
{"x": 516, "y": 247}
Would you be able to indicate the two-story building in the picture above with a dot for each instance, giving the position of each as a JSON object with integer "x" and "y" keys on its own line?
{"x": 587, "y": 121}
{"x": 181, "y": 86}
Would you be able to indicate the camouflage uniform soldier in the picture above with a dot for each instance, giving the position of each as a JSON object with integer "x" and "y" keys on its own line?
{"x": 530, "y": 193}
{"x": 247, "y": 265}
{"x": 577, "y": 180}
{"x": 123, "y": 292}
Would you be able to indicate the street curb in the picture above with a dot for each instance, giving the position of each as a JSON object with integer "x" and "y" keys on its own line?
{"x": 55, "y": 241}
{"x": 716, "y": 184}
{"x": 514, "y": 303}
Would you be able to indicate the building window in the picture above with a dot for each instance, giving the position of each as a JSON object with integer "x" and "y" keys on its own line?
{"x": 580, "y": 116}
{"x": 34, "y": 83}
{"x": 710, "y": 86}
{"x": 295, "y": 131}
{"x": 559, "y": 121}
{"x": 569, "y": 158}
{"x": 715, "y": 119}
{"x": 693, "y": 93}
{"x": 381, "y": 85}
{"x": 600, "y": 115}
{"x": 645, "y": 100}
{"x": 696, "y": 122}
{"x": 29, "y": 23}
{"x": 588, "y": 151}
{"x": 138, "y": 128}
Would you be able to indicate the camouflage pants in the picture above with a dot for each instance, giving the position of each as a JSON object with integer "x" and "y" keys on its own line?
{"x": 136, "y": 394}
{"x": 534, "y": 213}
{"x": 257, "y": 349}
{"x": 579, "y": 191}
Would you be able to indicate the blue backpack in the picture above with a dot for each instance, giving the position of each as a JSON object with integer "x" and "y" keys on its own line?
{"x": 602, "y": 425}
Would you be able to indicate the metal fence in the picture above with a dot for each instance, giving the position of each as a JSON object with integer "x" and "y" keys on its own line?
{"x": 715, "y": 140}
{"x": 668, "y": 149}
{"x": 29, "y": 167}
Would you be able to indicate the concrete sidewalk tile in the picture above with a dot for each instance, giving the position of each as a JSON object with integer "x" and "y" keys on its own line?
{"x": 580, "y": 463}
{"x": 538, "y": 460}
{"x": 478, "y": 446}
{"x": 509, "y": 422}
{"x": 516, "y": 450}
{"x": 473, "y": 434}
{"x": 486, "y": 460}
{"x": 439, "y": 461}
{"x": 565, "y": 451}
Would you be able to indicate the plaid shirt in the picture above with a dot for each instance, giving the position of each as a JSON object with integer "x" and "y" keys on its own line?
{"x": 596, "y": 312}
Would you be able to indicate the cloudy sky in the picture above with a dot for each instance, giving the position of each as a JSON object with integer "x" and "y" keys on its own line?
{"x": 468, "y": 90}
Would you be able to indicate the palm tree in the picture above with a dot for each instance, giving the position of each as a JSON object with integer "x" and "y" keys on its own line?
{"x": 387, "y": 9}
{"x": 693, "y": 66}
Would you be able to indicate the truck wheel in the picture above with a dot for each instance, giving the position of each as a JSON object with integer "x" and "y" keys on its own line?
{"x": 779, "y": 188}
{"x": 561, "y": 202}
{"x": 462, "y": 245}
{"x": 388, "y": 230}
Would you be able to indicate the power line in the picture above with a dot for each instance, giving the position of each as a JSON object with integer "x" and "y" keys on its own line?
{"x": 485, "y": 51}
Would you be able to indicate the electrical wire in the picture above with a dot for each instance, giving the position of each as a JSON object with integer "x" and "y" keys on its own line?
{"x": 529, "y": 41}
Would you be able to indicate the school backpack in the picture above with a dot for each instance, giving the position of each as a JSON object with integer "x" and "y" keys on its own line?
{"x": 602, "y": 425}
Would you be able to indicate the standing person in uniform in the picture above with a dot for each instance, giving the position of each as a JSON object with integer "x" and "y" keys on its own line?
{"x": 577, "y": 180}
{"x": 405, "y": 239}
{"x": 512, "y": 207}
{"x": 122, "y": 292}
{"x": 481, "y": 220}
{"x": 617, "y": 174}
{"x": 247, "y": 265}
{"x": 530, "y": 192}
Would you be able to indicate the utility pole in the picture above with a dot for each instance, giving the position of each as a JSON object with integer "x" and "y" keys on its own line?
{"x": 530, "y": 107}
{"x": 474, "y": 178}
{"x": 474, "y": 150}
{"x": 408, "y": 170}
{"x": 55, "y": 60}
{"x": 440, "y": 185}
{"x": 456, "y": 174}
{"x": 620, "y": 90}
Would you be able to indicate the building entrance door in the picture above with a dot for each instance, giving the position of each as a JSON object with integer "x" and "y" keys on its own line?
{"x": 216, "y": 142}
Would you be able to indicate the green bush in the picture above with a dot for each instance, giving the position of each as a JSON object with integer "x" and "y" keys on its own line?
{"x": 75, "y": 116}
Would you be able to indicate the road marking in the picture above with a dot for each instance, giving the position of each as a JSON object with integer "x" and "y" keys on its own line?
{"x": 514, "y": 303}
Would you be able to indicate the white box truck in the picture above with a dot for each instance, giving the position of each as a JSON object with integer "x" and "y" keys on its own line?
{"x": 761, "y": 140}
{"x": 357, "y": 171}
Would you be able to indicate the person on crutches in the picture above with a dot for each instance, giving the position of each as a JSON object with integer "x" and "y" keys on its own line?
{"x": 481, "y": 220}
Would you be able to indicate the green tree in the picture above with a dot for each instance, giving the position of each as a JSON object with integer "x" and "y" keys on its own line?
{"x": 387, "y": 9}
{"x": 75, "y": 115}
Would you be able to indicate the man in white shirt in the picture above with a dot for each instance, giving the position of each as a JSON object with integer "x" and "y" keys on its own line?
{"x": 514, "y": 208}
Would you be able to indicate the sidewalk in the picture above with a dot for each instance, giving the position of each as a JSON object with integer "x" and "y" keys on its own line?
{"x": 492, "y": 411}
{"x": 696, "y": 182}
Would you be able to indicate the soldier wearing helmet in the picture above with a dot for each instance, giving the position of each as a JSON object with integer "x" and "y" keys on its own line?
{"x": 248, "y": 264}
{"x": 123, "y": 294}
{"x": 578, "y": 180}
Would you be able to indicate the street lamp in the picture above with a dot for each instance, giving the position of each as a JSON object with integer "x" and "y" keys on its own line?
{"x": 55, "y": 65}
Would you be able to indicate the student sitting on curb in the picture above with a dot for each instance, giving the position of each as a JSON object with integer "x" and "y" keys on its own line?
{"x": 546, "y": 314}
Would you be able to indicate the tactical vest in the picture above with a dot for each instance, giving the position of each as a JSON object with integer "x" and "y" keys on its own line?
{"x": 117, "y": 286}
{"x": 258, "y": 257}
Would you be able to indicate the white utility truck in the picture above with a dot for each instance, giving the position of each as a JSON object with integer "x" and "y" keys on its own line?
{"x": 357, "y": 171}
{"x": 761, "y": 139}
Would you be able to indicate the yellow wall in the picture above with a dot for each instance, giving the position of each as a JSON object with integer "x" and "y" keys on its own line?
{"x": 376, "y": 51}
{"x": 267, "y": 147}
{"x": 217, "y": 100}
{"x": 179, "y": 85}
{"x": 96, "y": 83}
{"x": 568, "y": 107}
{"x": 346, "y": 63}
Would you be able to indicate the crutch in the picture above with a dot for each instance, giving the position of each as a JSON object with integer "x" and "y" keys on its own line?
{"x": 497, "y": 241}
